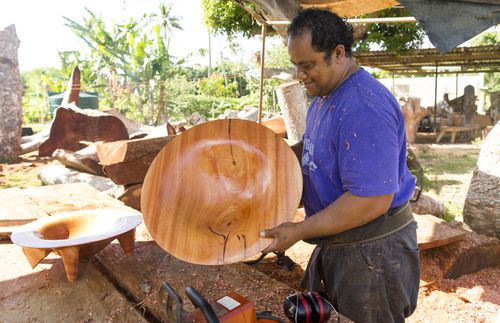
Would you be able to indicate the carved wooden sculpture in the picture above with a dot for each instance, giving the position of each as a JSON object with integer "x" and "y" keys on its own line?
{"x": 76, "y": 235}
{"x": 211, "y": 190}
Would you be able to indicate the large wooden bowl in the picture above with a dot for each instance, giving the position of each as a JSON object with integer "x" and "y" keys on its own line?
{"x": 209, "y": 192}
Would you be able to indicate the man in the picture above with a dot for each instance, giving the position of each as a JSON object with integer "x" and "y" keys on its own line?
{"x": 356, "y": 182}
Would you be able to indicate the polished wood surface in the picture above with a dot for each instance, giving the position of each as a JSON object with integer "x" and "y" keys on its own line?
{"x": 210, "y": 191}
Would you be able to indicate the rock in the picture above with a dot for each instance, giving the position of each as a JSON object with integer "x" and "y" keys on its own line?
{"x": 56, "y": 173}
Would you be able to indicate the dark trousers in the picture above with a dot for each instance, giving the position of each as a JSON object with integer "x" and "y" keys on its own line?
{"x": 375, "y": 281}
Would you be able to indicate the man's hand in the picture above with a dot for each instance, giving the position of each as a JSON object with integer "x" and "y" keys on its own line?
{"x": 285, "y": 235}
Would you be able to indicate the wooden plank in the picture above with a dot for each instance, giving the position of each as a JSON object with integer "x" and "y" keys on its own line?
{"x": 433, "y": 232}
{"x": 60, "y": 198}
{"x": 16, "y": 209}
{"x": 43, "y": 294}
{"x": 142, "y": 274}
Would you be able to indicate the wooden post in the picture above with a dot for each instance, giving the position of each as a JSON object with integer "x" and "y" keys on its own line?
{"x": 262, "y": 54}
{"x": 435, "y": 97}
{"x": 293, "y": 105}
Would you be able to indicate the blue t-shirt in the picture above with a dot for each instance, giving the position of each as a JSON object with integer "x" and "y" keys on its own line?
{"x": 355, "y": 141}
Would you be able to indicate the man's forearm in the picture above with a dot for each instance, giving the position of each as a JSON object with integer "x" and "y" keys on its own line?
{"x": 297, "y": 149}
{"x": 347, "y": 212}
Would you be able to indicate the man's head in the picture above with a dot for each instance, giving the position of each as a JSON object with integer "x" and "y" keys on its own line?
{"x": 319, "y": 44}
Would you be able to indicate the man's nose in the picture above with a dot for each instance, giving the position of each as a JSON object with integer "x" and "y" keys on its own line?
{"x": 301, "y": 75}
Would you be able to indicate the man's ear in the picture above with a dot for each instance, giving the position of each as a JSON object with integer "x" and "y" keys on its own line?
{"x": 339, "y": 52}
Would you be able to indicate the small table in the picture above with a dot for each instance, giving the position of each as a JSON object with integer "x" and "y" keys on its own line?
{"x": 455, "y": 129}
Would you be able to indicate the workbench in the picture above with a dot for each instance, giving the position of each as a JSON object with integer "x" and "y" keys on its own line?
{"x": 455, "y": 129}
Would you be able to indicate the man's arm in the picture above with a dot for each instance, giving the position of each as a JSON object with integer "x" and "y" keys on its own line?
{"x": 347, "y": 212}
{"x": 297, "y": 149}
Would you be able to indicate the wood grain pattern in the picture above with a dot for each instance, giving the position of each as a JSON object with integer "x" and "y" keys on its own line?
{"x": 211, "y": 190}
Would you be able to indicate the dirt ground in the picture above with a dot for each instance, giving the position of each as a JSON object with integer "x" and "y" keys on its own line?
{"x": 470, "y": 298}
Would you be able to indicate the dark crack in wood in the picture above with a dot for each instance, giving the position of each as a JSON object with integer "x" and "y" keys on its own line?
{"x": 225, "y": 239}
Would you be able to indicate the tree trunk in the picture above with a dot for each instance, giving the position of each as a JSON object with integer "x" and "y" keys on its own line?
{"x": 427, "y": 205}
{"x": 10, "y": 94}
{"x": 293, "y": 105}
{"x": 482, "y": 203}
{"x": 161, "y": 104}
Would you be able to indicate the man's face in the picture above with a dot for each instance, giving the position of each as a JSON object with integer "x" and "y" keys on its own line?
{"x": 319, "y": 76}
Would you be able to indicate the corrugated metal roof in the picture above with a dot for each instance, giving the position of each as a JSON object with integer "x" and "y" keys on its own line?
{"x": 469, "y": 59}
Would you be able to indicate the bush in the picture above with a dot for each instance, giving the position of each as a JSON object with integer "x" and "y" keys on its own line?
{"x": 207, "y": 106}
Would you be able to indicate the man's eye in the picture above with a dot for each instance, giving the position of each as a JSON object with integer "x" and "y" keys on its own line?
{"x": 308, "y": 66}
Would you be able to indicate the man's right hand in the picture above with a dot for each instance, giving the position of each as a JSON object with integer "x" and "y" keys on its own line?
{"x": 285, "y": 235}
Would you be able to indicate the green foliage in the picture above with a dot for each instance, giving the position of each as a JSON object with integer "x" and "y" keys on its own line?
{"x": 491, "y": 80}
{"x": 215, "y": 85}
{"x": 396, "y": 38}
{"x": 452, "y": 210}
{"x": 226, "y": 17}
{"x": 36, "y": 84}
{"x": 131, "y": 58}
{"x": 207, "y": 106}
{"x": 277, "y": 57}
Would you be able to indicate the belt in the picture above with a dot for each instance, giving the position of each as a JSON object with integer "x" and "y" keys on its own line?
{"x": 392, "y": 221}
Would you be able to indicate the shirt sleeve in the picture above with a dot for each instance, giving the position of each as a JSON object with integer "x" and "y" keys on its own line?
{"x": 369, "y": 151}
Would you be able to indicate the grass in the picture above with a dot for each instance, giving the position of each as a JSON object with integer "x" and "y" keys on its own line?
{"x": 19, "y": 172}
{"x": 447, "y": 173}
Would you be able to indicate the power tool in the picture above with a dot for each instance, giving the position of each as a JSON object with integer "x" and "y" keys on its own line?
{"x": 232, "y": 308}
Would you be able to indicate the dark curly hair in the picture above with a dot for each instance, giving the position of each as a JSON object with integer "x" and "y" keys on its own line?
{"x": 327, "y": 30}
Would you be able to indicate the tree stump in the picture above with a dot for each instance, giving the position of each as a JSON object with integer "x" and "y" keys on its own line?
{"x": 412, "y": 113}
{"x": 293, "y": 104}
{"x": 10, "y": 94}
{"x": 482, "y": 203}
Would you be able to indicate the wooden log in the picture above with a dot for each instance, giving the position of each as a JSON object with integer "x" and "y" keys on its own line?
{"x": 482, "y": 203}
{"x": 427, "y": 205}
{"x": 412, "y": 113}
{"x": 72, "y": 125}
{"x": 131, "y": 196}
{"x": 127, "y": 150}
{"x": 83, "y": 160}
{"x": 293, "y": 103}
{"x": 474, "y": 252}
{"x": 127, "y": 162}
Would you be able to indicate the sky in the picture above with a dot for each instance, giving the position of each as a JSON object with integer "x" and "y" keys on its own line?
{"x": 41, "y": 31}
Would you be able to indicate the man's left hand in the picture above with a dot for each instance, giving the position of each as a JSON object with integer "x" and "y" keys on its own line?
{"x": 285, "y": 235}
